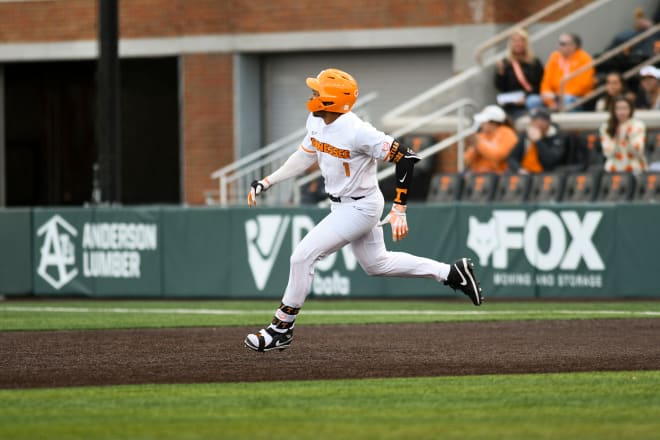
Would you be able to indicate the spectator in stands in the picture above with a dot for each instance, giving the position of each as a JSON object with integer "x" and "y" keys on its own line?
{"x": 518, "y": 76}
{"x": 489, "y": 149}
{"x": 632, "y": 56}
{"x": 614, "y": 86}
{"x": 623, "y": 139}
{"x": 541, "y": 148}
{"x": 561, "y": 63}
{"x": 640, "y": 24}
{"x": 648, "y": 97}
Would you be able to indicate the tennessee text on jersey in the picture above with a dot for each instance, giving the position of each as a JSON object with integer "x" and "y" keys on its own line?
{"x": 333, "y": 151}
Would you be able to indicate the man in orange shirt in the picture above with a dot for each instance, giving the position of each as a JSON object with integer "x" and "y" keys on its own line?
{"x": 489, "y": 149}
{"x": 561, "y": 63}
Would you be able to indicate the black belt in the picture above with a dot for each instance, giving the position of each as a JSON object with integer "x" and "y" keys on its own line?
{"x": 338, "y": 199}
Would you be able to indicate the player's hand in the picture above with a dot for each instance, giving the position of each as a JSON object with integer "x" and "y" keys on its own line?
{"x": 256, "y": 188}
{"x": 397, "y": 220}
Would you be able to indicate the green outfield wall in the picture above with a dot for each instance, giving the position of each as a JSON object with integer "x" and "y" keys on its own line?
{"x": 15, "y": 251}
{"x": 521, "y": 251}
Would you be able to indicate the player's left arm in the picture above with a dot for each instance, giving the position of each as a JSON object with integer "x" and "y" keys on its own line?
{"x": 404, "y": 160}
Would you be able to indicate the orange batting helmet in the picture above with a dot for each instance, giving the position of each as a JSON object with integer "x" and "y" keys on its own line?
{"x": 337, "y": 90}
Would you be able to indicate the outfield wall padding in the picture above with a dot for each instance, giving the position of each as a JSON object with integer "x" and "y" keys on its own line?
{"x": 15, "y": 251}
{"x": 520, "y": 251}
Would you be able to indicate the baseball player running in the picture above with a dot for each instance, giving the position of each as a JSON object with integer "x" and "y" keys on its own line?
{"x": 346, "y": 149}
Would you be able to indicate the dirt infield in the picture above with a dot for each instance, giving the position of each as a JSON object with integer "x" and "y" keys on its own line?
{"x": 193, "y": 355}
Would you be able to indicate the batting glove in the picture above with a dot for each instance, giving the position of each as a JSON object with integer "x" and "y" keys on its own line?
{"x": 256, "y": 188}
{"x": 397, "y": 220}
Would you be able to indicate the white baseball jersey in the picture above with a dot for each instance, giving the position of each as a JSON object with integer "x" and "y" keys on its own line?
{"x": 346, "y": 152}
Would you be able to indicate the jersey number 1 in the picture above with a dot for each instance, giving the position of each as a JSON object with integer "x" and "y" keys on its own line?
{"x": 347, "y": 170}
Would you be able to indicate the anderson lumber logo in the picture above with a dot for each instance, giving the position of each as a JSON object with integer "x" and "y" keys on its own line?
{"x": 109, "y": 250}
{"x": 570, "y": 242}
{"x": 264, "y": 236}
{"x": 57, "y": 252}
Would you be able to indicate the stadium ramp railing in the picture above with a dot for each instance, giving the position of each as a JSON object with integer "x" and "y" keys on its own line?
{"x": 476, "y": 81}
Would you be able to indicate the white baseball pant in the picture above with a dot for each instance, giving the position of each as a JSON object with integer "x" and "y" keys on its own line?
{"x": 354, "y": 222}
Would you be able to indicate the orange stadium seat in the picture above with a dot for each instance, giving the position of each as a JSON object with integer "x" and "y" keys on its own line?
{"x": 616, "y": 187}
{"x": 581, "y": 187}
{"x": 589, "y": 151}
{"x": 445, "y": 187}
{"x": 546, "y": 187}
{"x": 479, "y": 188}
{"x": 512, "y": 188}
{"x": 648, "y": 187}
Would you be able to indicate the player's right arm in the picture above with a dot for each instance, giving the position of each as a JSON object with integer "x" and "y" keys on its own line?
{"x": 296, "y": 164}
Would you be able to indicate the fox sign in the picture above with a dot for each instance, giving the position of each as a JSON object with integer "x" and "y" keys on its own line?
{"x": 558, "y": 246}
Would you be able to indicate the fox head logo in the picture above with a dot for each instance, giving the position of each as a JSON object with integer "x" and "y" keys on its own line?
{"x": 571, "y": 238}
{"x": 482, "y": 238}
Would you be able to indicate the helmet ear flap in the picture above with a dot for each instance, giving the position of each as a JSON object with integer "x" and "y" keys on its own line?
{"x": 315, "y": 104}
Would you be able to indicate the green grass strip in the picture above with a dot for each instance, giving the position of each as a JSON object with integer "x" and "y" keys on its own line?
{"x": 95, "y": 314}
{"x": 540, "y": 406}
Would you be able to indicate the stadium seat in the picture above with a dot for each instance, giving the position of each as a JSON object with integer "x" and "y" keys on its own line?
{"x": 653, "y": 159}
{"x": 652, "y": 141}
{"x": 573, "y": 156}
{"x": 445, "y": 187}
{"x": 648, "y": 187}
{"x": 581, "y": 187}
{"x": 546, "y": 187}
{"x": 479, "y": 188}
{"x": 616, "y": 187}
{"x": 512, "y": 188}
{"x": 589, "y": 151}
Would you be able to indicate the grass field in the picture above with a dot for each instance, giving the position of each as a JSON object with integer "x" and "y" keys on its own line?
{"x": 54, "y": 315}
{"x": 610, "y": 405}
{"x": 559, "y": 406}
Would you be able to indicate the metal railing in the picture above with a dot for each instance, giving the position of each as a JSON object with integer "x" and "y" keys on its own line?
{"x": 626, "y": 75}
{"x": 534, "y": 18}
{"x": 391, "y": 119}
{"x": 232, "y": 177}
{"x": 601, "y": 59}
{"x": 459, "y": 107}
{"x": 459, "y": 138}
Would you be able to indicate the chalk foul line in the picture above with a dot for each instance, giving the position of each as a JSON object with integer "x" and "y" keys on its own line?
{"x": 356, "y": 312}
